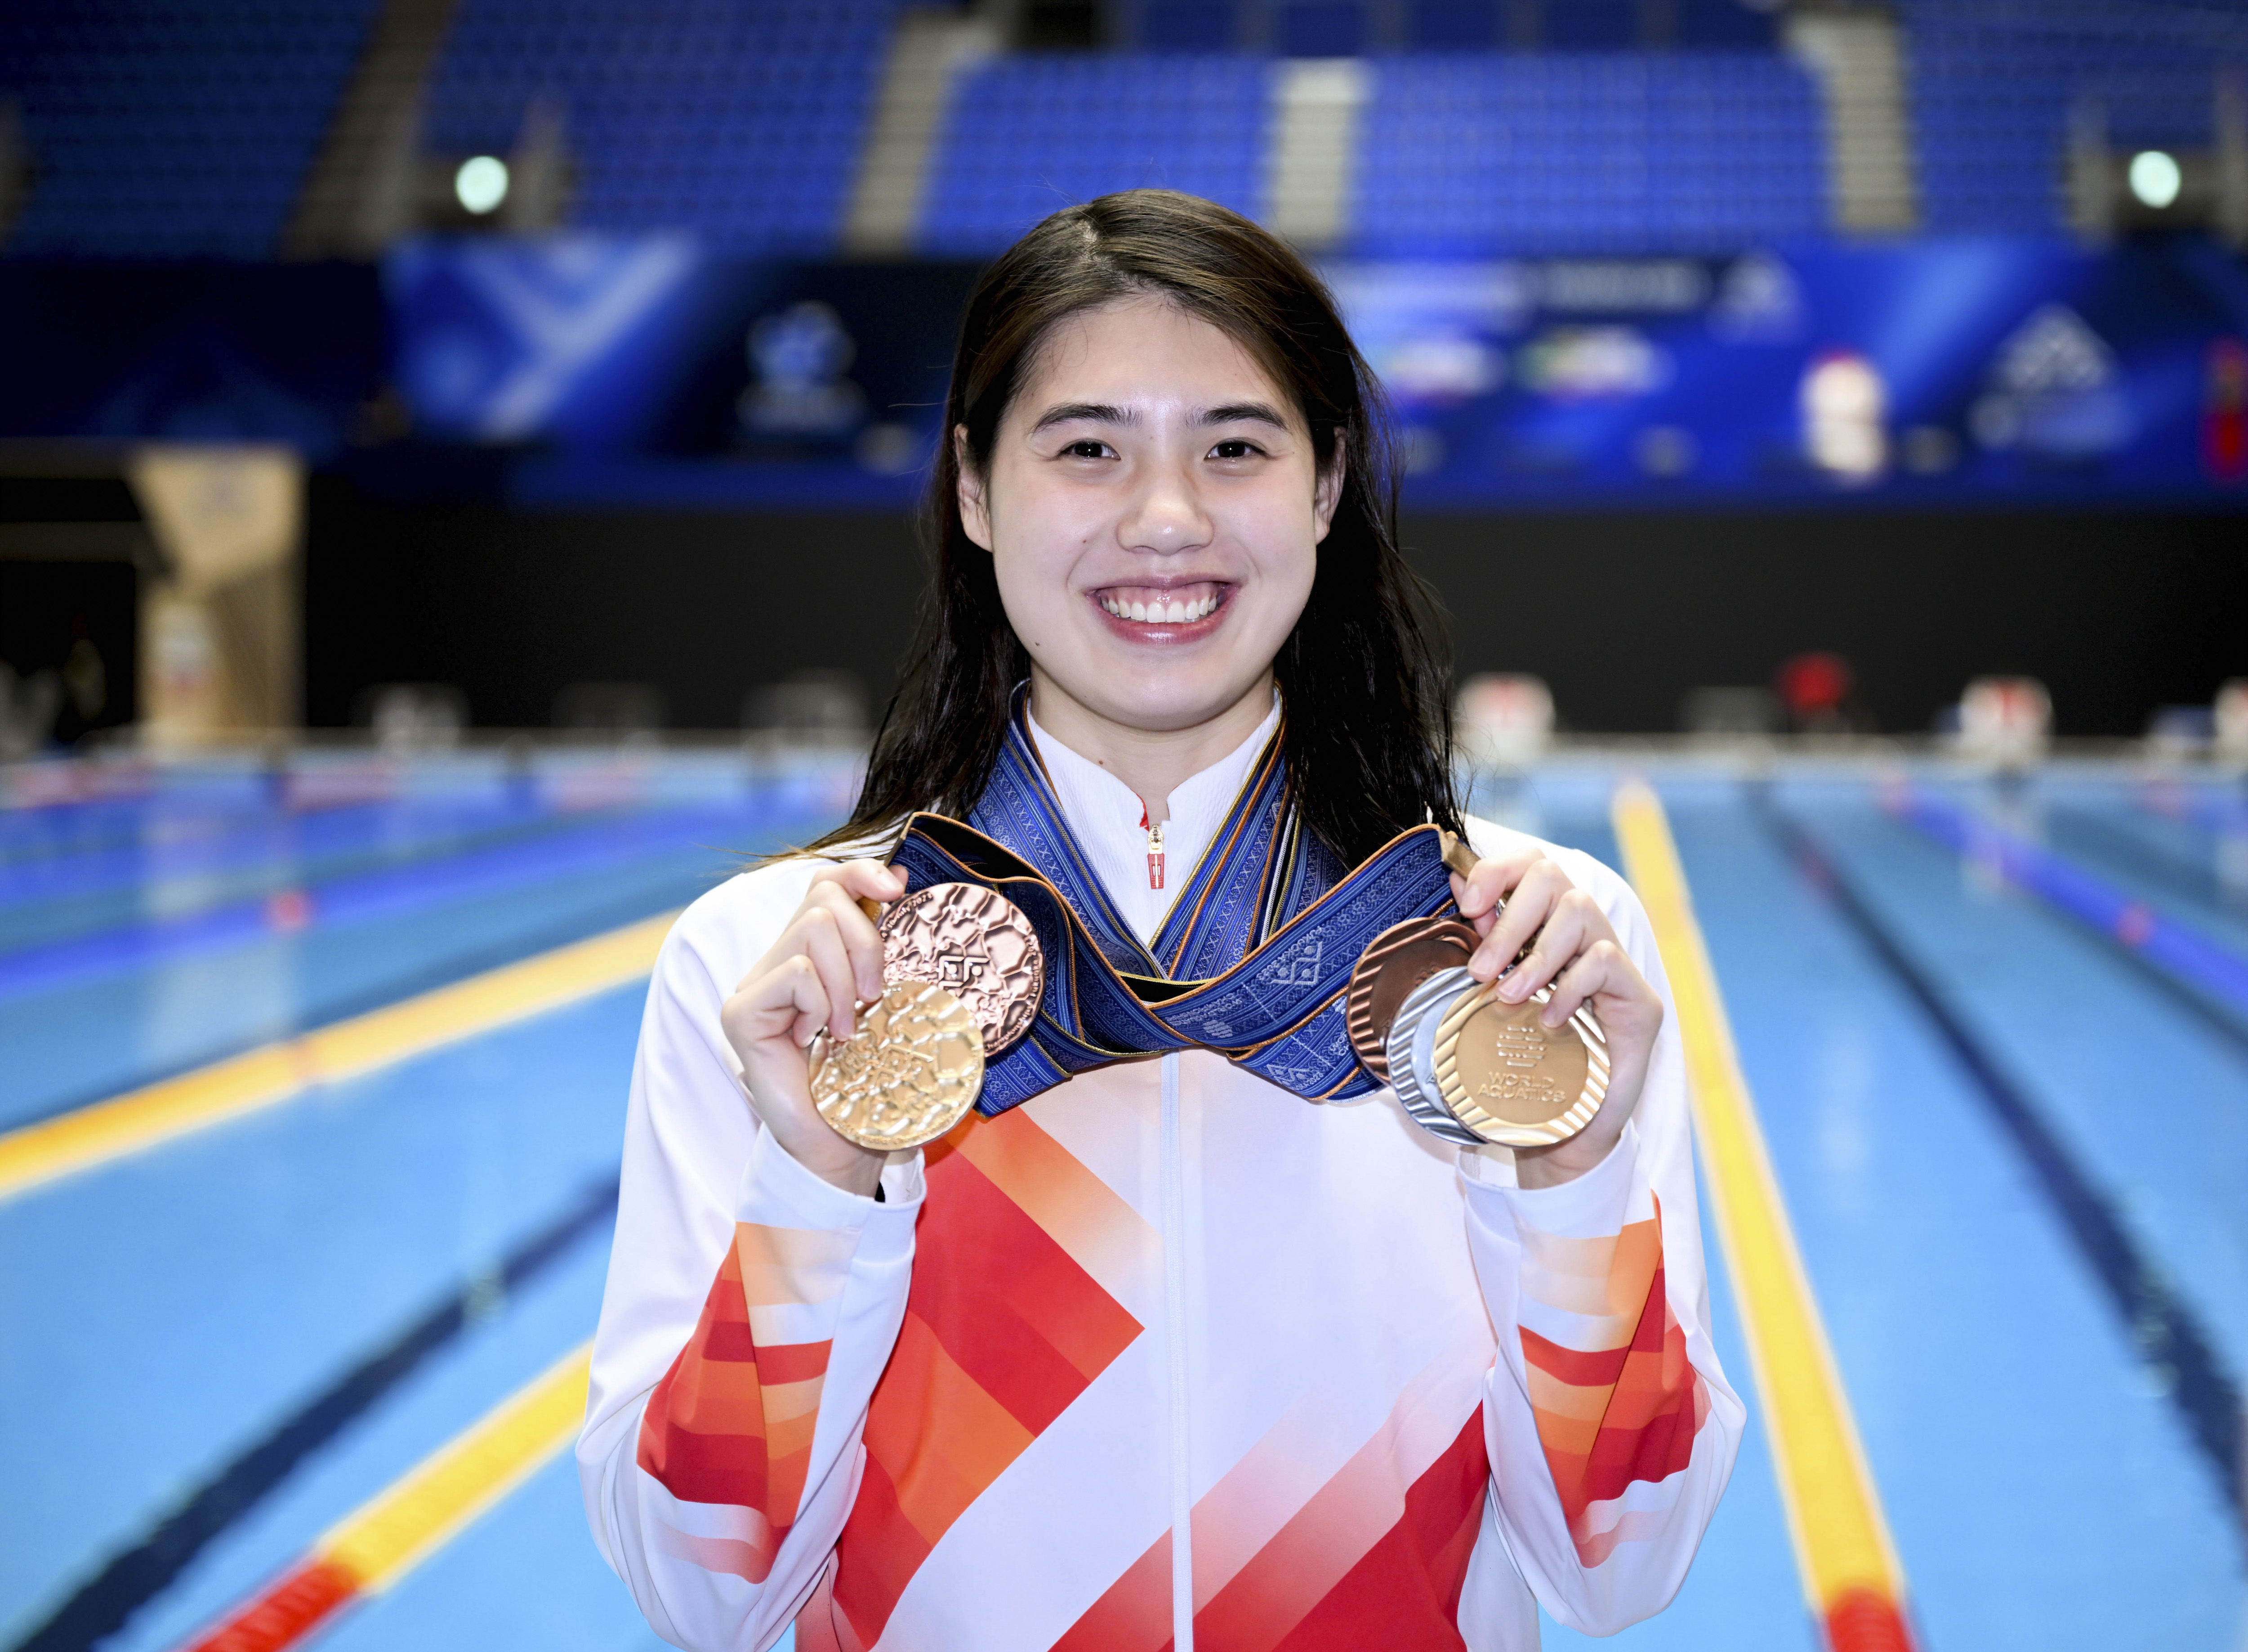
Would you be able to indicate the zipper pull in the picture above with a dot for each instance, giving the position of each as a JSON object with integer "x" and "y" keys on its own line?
{"x": 1155, "y": 850}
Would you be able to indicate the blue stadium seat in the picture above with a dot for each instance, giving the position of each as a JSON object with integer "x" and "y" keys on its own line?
{"x": 1562, "y": 152}
{"x": 161, "y": 132}
{"x": 743, "y": 121}
{"x": 1018, "y": 144}
{"x": 1994, "y": 84}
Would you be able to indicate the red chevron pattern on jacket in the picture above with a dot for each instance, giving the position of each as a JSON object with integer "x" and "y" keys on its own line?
{"x": 1005, "y": 1327}
{"x": 1617, "y": 1402}
{"x": 731, "y": 1422}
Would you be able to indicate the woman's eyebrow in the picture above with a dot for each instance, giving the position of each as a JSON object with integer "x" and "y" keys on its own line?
{"x": 1241, "y": 411}
{"x": 1075, "y": 412}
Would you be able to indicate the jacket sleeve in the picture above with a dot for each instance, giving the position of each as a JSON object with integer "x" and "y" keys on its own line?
{"x": 1611, "y": 1427}
{"x": 750, "y": 1306}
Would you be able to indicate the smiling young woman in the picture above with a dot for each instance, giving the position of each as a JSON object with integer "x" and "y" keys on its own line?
{"x": 1188, "y": 1336}
{"x": 1301, "y": 478}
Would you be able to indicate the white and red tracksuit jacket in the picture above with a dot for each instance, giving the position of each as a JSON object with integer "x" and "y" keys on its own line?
{"x": 1164, "y": 1357}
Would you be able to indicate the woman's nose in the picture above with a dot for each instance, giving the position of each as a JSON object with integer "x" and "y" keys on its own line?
{"x": 1165, "y": 514}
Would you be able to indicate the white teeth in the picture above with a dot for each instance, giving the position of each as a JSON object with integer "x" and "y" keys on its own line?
{"x": 1160, "y": 613}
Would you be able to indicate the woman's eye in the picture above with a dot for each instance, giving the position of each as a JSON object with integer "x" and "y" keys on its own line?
{"x": 1087, "y": 450}
{"x": 1234, "y": 449}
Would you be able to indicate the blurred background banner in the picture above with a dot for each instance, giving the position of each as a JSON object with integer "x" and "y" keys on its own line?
{"x": 1971, "y": 370}
{"x": 1986, "y": 370}
{"x": 566, "y": 339}
{"x": 790, "y": 375}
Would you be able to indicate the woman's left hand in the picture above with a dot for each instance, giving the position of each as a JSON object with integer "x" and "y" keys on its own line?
{"x": 1577, "y": 952}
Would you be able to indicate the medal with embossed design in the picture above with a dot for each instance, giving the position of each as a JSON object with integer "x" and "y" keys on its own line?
{"x": 963, "y": 971}
{"x": 974, "y": 944}
{"x": 1412, "y": 1060}
{"x": 1401, "y": 957}
{"x": 1467, "y": 1066}
{"x": 1506, "y": 1076}
{"x": 908, "y": 1074}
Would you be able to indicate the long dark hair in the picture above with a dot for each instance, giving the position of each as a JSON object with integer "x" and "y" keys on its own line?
{"x": 1366, "y": 691}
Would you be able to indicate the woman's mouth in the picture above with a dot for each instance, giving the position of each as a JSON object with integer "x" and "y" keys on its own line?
{"x": 1163, "y": 613}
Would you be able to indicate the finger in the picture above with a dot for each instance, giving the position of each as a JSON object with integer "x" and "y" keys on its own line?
{"x": 1481, "y": 922}
{"x": 861, "y": 942}
{"x": 1576, "y": 925}
{"x": 865, "y": 880}
{"x": 787, "y": 1001}
{"x": 1556, "y": 947}
{"x": 809, "y": 997}
{"x": 1601, "y": 967}
{"x": 824, "y": 948}
{"x": 1528, "y": 909}
{"x": 1482, "y": 890}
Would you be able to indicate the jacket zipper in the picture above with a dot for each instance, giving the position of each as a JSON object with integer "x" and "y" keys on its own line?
{"x": 1155, "y": 849}
{"x": 1174, "y": 1311}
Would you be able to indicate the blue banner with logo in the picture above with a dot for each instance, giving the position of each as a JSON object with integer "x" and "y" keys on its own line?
{"x": 646, "y": 371}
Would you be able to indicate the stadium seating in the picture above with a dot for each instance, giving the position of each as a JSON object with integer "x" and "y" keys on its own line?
{"x": 1994, "y": 82}
{"x": 168, "y": 130}
{"x": 1028, "y": 134}
{"x": 1589, "y": 152}
{"x": 1334, "y": 28}
{"x": 742, "y": 122}
{"x": 1469, "y": 150}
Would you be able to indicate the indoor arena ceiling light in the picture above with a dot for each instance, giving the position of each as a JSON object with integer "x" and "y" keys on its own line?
{"x": 482, "y": 184}
{"x": 2155, "y": 178}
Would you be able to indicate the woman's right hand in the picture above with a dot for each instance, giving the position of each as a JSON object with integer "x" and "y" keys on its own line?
{"x": 827, "y": 960}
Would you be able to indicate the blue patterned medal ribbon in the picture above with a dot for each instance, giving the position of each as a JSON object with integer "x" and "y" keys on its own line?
{"x": 1252, "y": 963}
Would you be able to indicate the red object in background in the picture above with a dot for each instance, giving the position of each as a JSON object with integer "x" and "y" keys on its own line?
{"x": 2224, "y": 411}
{"x": 289, "y": 910}
{"x": 1813, "y": 686}
{"x": 2134, "y": 925}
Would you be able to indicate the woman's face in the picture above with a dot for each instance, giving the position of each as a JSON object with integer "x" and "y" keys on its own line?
{"x": 1153, "y": 507}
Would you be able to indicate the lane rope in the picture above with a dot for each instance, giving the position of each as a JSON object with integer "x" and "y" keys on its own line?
{"x": 1851, "y": 1575}
{"x": 104, "y": 1131}
{"x": 383, "y": 1539}
{"x": 106, "y": 1602}
{"x": 2161, "y": 1324}
{"x": 2202, "y": 971}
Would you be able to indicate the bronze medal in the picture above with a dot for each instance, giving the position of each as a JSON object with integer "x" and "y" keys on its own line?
{"x": 1401, "y": 957}
{"x": 910, "y": 1072}
{"x": 1512, "y": 1080}
{"x": 975, "y": 945}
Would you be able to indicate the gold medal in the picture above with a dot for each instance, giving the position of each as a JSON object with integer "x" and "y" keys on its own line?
{"x": 910, "y": 1073}
{"x": 1512, "y": 1080}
